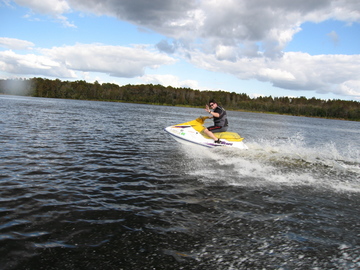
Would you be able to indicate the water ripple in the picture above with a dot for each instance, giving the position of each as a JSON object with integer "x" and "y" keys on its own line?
{"x": 83, "y": 187}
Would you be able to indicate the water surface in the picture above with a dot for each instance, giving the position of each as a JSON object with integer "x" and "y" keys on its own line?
{"x": 99, "y": 185}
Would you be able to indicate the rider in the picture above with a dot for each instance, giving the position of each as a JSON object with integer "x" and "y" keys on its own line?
{"x": 220, "y": 120}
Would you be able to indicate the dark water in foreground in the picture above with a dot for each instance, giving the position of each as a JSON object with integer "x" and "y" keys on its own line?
{"x": 95, "y": 185}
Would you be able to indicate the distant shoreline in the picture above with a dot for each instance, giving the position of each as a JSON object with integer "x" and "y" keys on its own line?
{"x": 188, "y": 106}
{"x": 184, "y": 97}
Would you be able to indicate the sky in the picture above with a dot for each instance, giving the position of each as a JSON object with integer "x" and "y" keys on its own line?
{"x": 259, "y": 47}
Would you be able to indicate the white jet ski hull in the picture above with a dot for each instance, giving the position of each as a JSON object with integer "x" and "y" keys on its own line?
{"x": 191, "y": 133}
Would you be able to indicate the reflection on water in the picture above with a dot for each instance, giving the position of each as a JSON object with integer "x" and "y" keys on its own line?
{"x": 87, "y": 185}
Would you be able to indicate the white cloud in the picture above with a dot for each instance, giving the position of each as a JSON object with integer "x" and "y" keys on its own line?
{"x": 32, "y": 64}
{"x": 169, "y": 80}
{"x": 270, "y": 74}
{"x": 114, "y": 60}
{"x": 334, "y": 37}
{"x": 350, "y": 88}
{"x": 337, "y": 74}
{"x": 15, "y": 44}
{"x": 54, "y": 8}
{"x": 46, "y": 7}
{"x": 63, "y": 61}
{"x": 225, "y": 53}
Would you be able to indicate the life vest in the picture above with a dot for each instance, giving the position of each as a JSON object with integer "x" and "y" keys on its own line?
{"x": 220, "y": 121}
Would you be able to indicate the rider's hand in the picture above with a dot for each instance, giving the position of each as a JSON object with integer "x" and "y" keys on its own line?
{"x": 207, "y": 108}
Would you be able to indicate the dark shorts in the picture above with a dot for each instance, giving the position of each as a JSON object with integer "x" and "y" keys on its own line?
{"x": 215, "y": 129}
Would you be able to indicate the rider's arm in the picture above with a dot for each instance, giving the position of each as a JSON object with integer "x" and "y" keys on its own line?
{"x": 214, "y": 114}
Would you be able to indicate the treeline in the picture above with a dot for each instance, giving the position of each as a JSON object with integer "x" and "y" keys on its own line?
{"x": 161, "y": 95}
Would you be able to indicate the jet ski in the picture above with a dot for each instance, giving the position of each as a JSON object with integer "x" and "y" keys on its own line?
{"x": 192, "y": 132}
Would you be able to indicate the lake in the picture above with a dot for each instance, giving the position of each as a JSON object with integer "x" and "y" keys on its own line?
{"x": 100, "y": 185}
